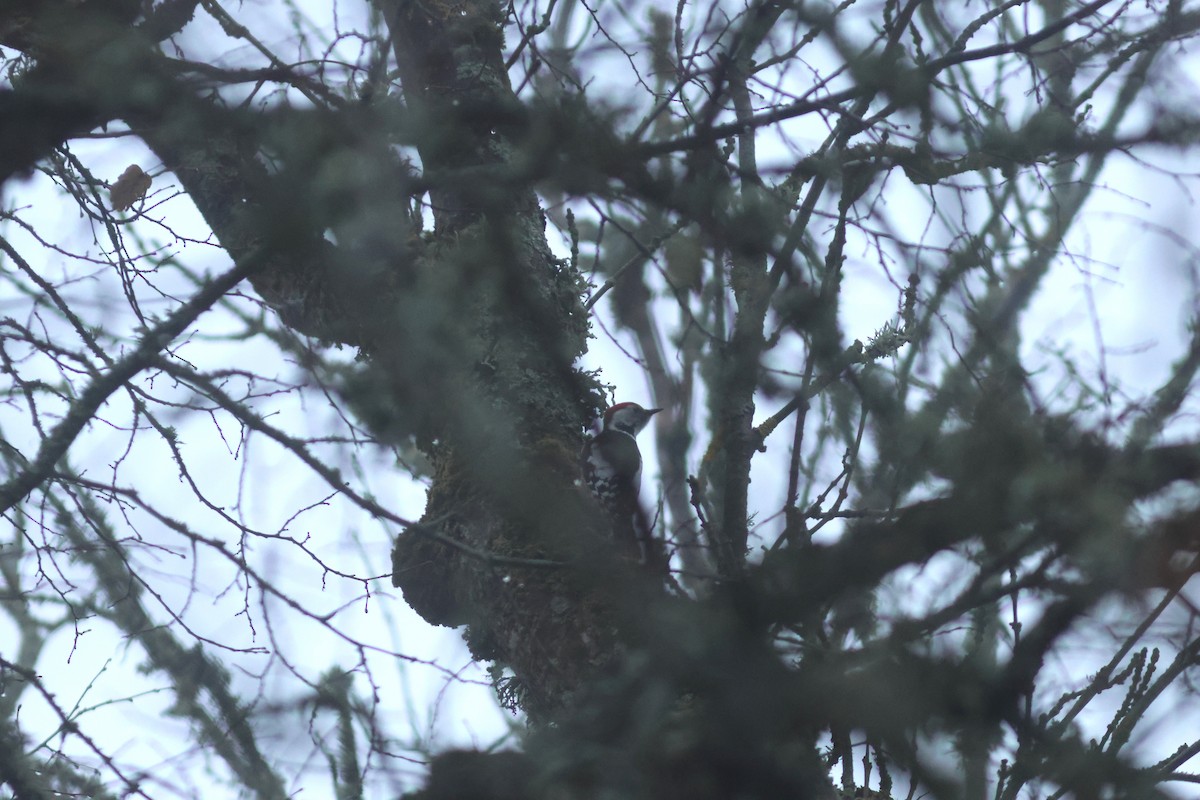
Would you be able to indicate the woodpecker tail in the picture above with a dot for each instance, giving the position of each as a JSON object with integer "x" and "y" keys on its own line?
{"x": 649, "y": 549}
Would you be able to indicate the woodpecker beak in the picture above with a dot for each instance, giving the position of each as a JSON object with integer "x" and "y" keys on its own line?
{"x": 650, "y": 412}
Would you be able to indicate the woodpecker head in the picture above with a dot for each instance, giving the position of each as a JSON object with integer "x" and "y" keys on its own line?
{"x": 628, "y": 418}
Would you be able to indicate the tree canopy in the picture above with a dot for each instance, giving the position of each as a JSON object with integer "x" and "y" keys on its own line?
{"x": 309, "y": 309}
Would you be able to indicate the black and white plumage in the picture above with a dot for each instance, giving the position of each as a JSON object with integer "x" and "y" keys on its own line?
{"x": 612, "y": 470}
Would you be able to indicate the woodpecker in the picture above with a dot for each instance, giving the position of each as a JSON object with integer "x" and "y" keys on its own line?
{"x": 612, "y": 470}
